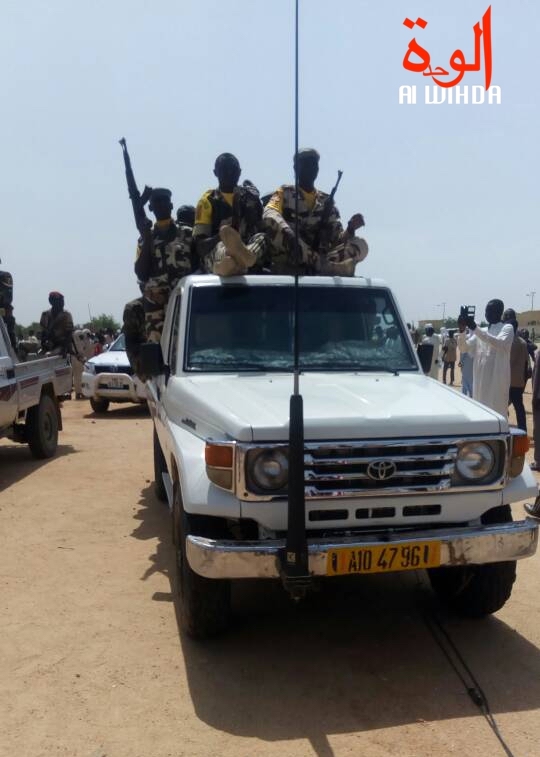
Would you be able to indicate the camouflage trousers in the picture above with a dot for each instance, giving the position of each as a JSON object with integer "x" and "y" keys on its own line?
{"x": 155, "y": 300}
{"x": 339, "y": 260}
{"x": 134, "y": 360}
{"x": 257, "y": 244}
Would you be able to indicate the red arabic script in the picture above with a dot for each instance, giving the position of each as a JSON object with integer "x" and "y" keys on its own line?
{"x": 418, "y": 60}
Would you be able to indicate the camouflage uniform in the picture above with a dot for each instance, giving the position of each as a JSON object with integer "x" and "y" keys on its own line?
{"x": 56, "y": 331}
{"x": 243, "y": 210}
{"x": 171, "y": 260}
{"x": 6, "y": 311}
{"x": 335, "y": 244}
{"x": 134, "y": 332}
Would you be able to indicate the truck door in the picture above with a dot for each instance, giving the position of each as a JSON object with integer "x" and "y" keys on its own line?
{"x": 8, "y": 385}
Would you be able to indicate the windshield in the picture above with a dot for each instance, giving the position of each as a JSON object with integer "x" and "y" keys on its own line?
{"x": 235, "y": 327}
{"x": 119, "y": 345}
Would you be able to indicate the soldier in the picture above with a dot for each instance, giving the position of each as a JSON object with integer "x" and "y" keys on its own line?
{"x": 134, "y": 331}
{"x": 9, "y": 320}
{"x": 325, "y": 247}
{"x": 163, "y": 258}
{"x": 227, "y": 232}
{"x": 185, "y": 216}
{"x": 56, "y": 327}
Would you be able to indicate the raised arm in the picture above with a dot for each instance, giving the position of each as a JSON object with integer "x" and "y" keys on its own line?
{"x": 502, "y": 342}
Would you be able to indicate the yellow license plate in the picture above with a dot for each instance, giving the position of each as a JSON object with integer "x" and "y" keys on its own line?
{"x": 384, "y": 558}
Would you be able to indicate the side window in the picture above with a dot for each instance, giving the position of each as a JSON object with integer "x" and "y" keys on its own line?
{"x": 173, "y": 342}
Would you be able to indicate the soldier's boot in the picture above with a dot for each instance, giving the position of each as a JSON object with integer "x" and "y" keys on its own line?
{"x": 236, "y": 248}
{"x": 338, "y": 268}
{"x": 228, "y": 266}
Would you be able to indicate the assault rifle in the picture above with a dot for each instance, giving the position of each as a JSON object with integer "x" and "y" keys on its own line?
{"x": 327, "y": 209}
{"x": 138, "y": 200}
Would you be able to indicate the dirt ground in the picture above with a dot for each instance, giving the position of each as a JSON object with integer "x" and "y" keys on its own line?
{"x": 93, "y": 664}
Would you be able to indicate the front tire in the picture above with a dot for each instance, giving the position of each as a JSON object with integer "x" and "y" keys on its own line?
{"x": 204, "y": 604}
{"x": 42, "y": 428}
{"x": 474, "y": 591}
{"x": 99, "y": 405}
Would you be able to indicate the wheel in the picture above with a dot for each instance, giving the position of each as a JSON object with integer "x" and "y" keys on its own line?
{"x": 475, "y": 591}
{"x": 99, "y": 406}
{"x": 204, "y": 604}
{"x": 42, "y": 428}
{"x": 159, "y": 469}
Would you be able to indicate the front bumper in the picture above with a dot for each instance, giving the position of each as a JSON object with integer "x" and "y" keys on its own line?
{"x": 115, "y": 387}
{"x": 459, "y": 546}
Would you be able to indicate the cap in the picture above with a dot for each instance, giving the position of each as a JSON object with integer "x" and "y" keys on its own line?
{"x": 308, "y": 152}
{"x": 55, "y": 295}
{"x": 160, "y": 194}
{"x": 226, "y": 157}
{"x": 428, "y": 326}
{"x": 186, "y": 214}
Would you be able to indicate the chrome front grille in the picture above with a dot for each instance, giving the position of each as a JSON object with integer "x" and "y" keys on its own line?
{"x": 341, "y": 469}
{"x": 350, "y": 469}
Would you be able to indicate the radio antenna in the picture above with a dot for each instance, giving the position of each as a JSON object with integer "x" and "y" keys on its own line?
{"x": 294, "y": 558}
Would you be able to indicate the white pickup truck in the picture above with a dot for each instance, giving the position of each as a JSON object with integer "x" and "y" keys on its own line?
{"x": 400, "y": 471}
{"x": 29, "y": 407}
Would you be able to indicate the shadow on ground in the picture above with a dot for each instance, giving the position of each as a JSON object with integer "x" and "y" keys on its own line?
{"x": 17, "y": 462}
{"x": 119, "y": 410}
{"x": 354, "y": 657}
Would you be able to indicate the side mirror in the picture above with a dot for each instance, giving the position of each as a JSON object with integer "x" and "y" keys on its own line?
{"x": 425, "y": 355}
{"x": 151, "y": 359}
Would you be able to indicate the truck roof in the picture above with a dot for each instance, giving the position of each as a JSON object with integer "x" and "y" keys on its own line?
{"x": 269, "y": 279}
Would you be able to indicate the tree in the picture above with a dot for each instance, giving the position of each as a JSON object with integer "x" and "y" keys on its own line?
{"x": 103, "y": 321}
{"x": 450, "y": 323}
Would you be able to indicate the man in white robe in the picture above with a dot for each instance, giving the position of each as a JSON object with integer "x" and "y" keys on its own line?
{"x": 434, "y": 339}
{"x": 491, "y": 349}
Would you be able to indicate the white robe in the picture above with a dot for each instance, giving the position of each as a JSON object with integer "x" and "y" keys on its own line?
{"x": 491, "y": 368}
{"x": 435, "y": 340}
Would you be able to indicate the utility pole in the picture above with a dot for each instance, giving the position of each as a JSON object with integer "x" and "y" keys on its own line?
{"x": 443, "y": 306}
{"x": 531, "y": 295}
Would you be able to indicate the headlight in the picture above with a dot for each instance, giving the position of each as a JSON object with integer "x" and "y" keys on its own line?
{"x": 269, "y": 469}
{"x": 89, "y": 368}
{"x": 475, "y": 460}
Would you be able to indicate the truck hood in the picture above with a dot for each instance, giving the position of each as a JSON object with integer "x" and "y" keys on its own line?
{"x": 336, "y": 406}
{"x": 117, "y": 358}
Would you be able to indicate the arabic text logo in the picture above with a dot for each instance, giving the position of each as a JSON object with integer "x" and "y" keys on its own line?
{"x": 418, "y": 61}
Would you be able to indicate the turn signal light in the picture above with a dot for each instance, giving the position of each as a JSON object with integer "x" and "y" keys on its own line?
{"x": 219, "y": 455}
{"x": 219, "y": 460}
{"x": 520, "y": 445}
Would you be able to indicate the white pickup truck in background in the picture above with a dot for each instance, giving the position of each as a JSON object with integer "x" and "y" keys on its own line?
{"x": 29, "y": 391}
{"x": 400, "y": 471}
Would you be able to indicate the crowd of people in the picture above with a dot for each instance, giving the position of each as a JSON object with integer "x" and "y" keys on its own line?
{"x": 58, "y": 336}
{"x": 496, "y": 363}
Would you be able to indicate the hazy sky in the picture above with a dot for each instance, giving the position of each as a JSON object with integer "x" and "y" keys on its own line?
{"x": 450, "y": 193}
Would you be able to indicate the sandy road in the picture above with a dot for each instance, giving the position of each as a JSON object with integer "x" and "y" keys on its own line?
{"x": 92, "y": 662}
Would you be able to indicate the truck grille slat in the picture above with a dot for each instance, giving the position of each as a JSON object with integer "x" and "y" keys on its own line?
{"x": 380, "y": 468}
{"x": 448, "y": 456}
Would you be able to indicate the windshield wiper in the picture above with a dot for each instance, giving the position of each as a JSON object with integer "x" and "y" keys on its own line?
{"x": 378, "y": 369}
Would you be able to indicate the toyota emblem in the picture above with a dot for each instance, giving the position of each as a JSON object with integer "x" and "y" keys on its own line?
{"x": 381, "y": 470}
